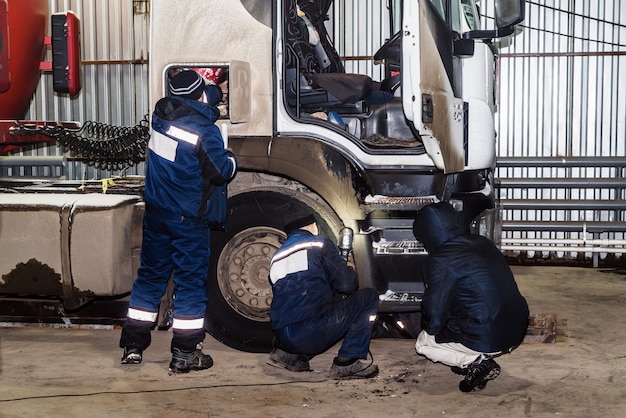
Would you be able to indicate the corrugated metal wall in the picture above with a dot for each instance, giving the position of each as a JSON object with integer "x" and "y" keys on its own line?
{"x": 114, "y": 44}
{"x": 564, "y": 81}
{"x": 361, "y": 29}
{"x": 563, "y": 94}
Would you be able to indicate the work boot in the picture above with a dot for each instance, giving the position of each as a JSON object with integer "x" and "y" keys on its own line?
{"x": 132, "y": 355}
{"x": 479, "y": 373}
{"x": 183, "y": 362}
{"x": 354, "y": 370}
{"x": 289, "y": 361}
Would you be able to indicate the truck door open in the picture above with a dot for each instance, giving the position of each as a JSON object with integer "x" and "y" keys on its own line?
{"x": 429, "y": 100}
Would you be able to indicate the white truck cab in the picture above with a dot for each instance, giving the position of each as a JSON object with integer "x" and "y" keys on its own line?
{"x": 361, "y": 153}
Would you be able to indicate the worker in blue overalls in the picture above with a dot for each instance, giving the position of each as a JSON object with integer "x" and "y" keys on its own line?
{"x": 187, "y": 173}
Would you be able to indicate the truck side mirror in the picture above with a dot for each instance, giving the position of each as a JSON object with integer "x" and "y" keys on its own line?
{"x": 463, "y": 48}
{"x": 66, "y": 53}
{"x": 509, "y": 12}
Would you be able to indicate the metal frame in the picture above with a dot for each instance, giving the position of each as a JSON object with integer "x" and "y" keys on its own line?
{"x": 595, "y": 225}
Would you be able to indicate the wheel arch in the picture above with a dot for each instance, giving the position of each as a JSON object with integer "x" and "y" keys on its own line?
{"x": 317, "y": 165}
{"x": 328, "y": 174}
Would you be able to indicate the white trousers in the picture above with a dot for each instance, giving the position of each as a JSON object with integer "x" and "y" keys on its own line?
{"x": 450, "y": 354}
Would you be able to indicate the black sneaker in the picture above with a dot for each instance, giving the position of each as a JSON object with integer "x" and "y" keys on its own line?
{"x": 459, "y": 370}
{"x": 478, "y": 374}
{"x": 132, "y": 355}
{"x": 184, "y": 362}
{"x": 289, "y": 361}
{"x": 355, "y": 370}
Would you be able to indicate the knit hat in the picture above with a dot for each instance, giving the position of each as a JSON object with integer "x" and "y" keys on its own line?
{"x": 299, "y": 220}
{"x": 188, "y": 84}
{"x": 213, "y": 94}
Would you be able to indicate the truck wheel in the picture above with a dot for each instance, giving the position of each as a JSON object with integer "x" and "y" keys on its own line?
{"x": 240, "y": 293}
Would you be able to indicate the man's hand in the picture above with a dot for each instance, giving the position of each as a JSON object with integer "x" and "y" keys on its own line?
{"x": 350, "y": 263}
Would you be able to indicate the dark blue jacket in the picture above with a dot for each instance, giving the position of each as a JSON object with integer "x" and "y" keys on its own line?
{"x": 306, "y": 272}
{"x": 188, "y": 168}
{"x": 470, "y": 293}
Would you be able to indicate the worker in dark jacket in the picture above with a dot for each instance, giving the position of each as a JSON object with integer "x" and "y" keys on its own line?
{"x": 185, "y": 196}
{"x": 316, "y": 303}
{"x": 472, "y": 309}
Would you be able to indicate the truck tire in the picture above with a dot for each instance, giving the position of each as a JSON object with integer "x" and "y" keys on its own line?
{"x": 239, "y": 290}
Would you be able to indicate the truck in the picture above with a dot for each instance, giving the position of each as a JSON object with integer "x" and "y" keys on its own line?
{"x": 363, "y": 154}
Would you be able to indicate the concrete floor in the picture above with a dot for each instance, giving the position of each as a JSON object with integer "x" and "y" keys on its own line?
{"x": 76, "y": 372}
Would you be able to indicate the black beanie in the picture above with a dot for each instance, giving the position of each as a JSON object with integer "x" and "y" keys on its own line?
{"x": 188, "y": 84}
{"x": 298, "y": 221}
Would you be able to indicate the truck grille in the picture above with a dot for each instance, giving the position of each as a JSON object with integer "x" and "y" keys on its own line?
{"x": 399, "y": 247}
{"x": 391, "y": 297}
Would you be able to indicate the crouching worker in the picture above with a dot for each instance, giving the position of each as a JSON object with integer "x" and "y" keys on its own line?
{"x": 308, "y": 317}
{"x": 472, "y": 309}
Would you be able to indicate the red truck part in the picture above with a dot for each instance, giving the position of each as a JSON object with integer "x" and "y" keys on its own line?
{"x": 23, "y": 42}
{"x": 26, "y": 29}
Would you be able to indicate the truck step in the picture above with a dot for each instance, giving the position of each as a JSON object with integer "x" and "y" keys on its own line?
{"x": 399, "y": 202}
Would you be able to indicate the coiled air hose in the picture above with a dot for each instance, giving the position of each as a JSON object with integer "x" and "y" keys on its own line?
{"x": 100, "y": 145}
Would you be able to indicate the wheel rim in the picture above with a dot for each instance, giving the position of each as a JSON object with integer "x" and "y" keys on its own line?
{"x": 243, "y": 271}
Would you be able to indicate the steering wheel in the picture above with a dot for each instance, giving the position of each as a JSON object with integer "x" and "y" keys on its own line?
{"x": 391, "y": 49}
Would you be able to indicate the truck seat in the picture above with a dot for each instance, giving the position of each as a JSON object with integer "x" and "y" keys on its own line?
{"x": 315, "y": 76}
